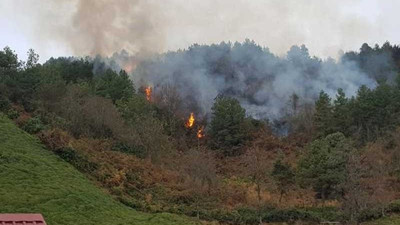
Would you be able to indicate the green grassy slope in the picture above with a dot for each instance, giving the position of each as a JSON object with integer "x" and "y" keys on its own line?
{"x": 34, "y": 180}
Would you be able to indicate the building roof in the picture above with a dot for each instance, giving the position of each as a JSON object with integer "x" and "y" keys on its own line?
{"x": 22, "y": 219}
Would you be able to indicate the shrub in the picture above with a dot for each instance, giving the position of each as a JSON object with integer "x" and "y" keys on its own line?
{"x": 33, "y": 125}
{"x": 12, "y": 114}
{"x": 369, "y": 214}
{"x": 78, "y": 161}
{"x": 4, "y": 104}
{"x": 138, "y": 151}
{"x": 394, "y": 207}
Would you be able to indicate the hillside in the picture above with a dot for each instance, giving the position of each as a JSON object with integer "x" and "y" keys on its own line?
{"x": 33, "y": 180}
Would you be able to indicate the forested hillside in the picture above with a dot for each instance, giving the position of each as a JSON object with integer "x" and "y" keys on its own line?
{"x": 228, "y": 132}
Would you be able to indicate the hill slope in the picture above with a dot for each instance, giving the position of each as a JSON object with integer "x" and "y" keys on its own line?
{"x": 34, "y": 180}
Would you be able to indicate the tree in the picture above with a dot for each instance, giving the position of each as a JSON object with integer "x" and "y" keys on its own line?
{"x": 8, "y": 61}
{"x": 283, "y": 176}
{"x": 71, "y": 69}
{"x": 170, "y": 103}
{"x": 140, "y": 116}
{"x": 227, "y": 124}
{"x": 323, "y": 165}
{"x": 32, "y": 60}
{"x": 368, "y": 183}
{"x": 258, "y": 169}
{"x": 341, "y": 115}
{"x": 114, "y": 86}
{"x": 375, "y": 112}
{"x": 200, "y": 168}
{"x": 323, "y": 115}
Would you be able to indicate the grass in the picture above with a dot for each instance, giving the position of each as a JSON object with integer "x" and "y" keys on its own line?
{"x": 390, "y": 220}
{"x": 34, "y": 180}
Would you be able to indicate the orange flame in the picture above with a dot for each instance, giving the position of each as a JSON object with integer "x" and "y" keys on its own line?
{"x": 200, "y": 133}
{"x": 148, "y": 93}
{"x": 190, "y": 121}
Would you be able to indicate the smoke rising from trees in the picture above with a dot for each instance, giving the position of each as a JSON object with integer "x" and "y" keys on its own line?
{"x": 260, "y": 80}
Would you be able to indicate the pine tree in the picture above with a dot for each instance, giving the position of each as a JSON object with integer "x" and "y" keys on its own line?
{"x": 227, "y": 124}
{"x": 341, "y": 113}
{"x": 323, "y": 115}
{"x": 283, "y": 176}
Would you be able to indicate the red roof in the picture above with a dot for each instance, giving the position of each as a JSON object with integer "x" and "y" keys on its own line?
{"x": 21, "y": 219}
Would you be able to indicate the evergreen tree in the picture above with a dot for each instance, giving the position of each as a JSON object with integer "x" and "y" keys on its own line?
{"x": 341, "y": 113}
{"x": 114, "y": 86}
{"x": 323, "y": 165}
{"x": 227, "y": 124}
{"x": 323, "y": 115}
{"x": 283, "y": 176}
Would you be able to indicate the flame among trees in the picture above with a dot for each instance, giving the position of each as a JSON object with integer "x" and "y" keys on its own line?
{"x": 148, "y": 92}
{"x": 200, "y": 132}
{"x": 190, "y": 122}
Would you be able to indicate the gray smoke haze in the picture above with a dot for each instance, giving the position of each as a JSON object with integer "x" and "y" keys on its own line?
{"x": 260, "y": 80}
{"x": 103, "y": 27}
{"x": 91, "y": 27}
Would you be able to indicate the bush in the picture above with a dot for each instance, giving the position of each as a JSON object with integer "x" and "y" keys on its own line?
{"x": 138, "y": 151}
{"x": 369, "y": 214}
{"x": 289, "y": 215}
{"x": 78, "y": 161}
{"x": 4, "y": 104}
{"x": 12, "y": 114}
{"x": 134, "y": 203}
{"x": 394, "y": 207}
{"x": 33, "y": 125}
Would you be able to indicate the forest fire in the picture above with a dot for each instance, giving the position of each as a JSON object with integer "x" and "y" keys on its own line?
{"x": 190, "y": 121}
{"x": 200, "y": 133}
{"x": 148, "y": 93}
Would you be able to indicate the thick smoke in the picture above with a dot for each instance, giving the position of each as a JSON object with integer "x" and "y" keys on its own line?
{"x": 102, "y": 27}
{"x": 91, "y": 27}
{"x": 260, "y": 80}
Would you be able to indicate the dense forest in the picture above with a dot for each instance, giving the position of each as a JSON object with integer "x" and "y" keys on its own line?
{"x": 226, "y": 132}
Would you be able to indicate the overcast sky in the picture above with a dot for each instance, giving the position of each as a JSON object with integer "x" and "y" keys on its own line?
{"x": 87, "y": 27}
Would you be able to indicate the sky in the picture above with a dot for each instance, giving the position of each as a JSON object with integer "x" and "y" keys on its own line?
{"x": 89, "y": 27}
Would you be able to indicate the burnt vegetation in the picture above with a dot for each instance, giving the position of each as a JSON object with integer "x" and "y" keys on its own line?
{"x": 312, "y": 155}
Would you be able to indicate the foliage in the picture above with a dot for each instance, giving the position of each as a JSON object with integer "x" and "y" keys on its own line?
{"x": 33, "y": 125}
{"x": 283, "y": 176}
{"x": 226, "y": 128}
{"x": 71, "y": 69}
{"x": 323, "y": 165}
{"x": 323, "y": 115}
{"x": 78, "y": 161}
{"x": 147, "y": 128}
{"x": 114, "y": 86}
{"x": 138, "y": 151}
{"x": 9, "y": 63}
